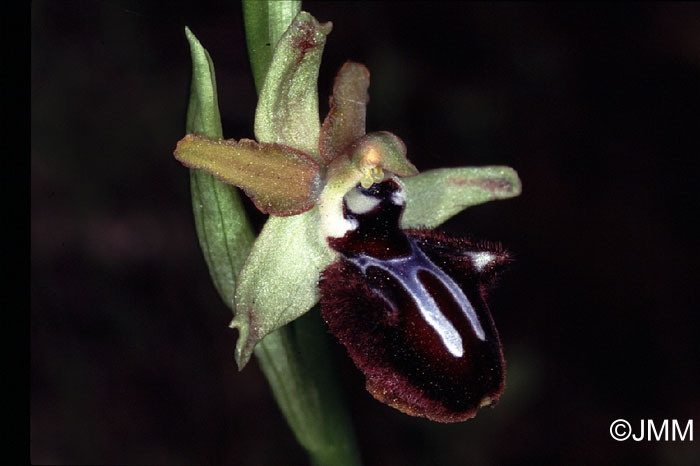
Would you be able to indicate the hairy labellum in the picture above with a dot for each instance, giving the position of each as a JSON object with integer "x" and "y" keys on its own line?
{"x": 409, "y": 307}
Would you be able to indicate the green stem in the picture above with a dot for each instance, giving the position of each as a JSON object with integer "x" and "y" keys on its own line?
{"x": 265, "y": 21}
{"x": 297, "y": 363}
{"x": 296, "y": 359}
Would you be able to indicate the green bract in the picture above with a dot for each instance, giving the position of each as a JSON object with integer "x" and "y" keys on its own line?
{"x": 299, "y": 171}
{"x": 224, "y": 232}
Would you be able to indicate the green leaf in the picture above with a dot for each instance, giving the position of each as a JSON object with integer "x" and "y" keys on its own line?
{"x": 434, "y": 196}
{"x": 345, "y": 122}
{"x": 287, "y": 111}
{"x": 203, "y": 111}
{"x": 278, "y": 282}
{"x": 297, "y": 364}
{"x": 279, "y": 179}
{"x": 225, "y": 235}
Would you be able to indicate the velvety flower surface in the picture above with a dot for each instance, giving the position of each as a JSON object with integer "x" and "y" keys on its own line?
{"x": 409, "y": 307}
{"x": 350, "y": 226}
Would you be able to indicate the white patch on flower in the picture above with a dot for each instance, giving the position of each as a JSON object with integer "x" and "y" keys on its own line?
{"x": 359, "y": 203}
{"x": 336, "y": 226}
{"x": 399, "y": 197}
{"x": 481, "y": 259}
{"x": 333, "y": 222}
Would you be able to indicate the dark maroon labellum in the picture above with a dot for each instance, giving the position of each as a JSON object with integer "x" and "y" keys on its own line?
{"x": 409, "y": 307}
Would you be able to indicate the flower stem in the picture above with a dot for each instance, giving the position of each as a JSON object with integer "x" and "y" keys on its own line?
{"x": 265, "y": 21}
{"x": 296, "y": 359}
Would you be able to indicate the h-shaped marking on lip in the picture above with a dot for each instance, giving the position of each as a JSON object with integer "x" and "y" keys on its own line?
{"x": 405, "y": 270}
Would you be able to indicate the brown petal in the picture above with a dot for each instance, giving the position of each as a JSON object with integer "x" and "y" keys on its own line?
{"x": 345, "y": 121}
{"x": 279, "y": 179}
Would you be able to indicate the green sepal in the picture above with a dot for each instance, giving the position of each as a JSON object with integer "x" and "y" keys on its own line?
{"x": 224, "y": 233}
{"x": 295, "y": 358}
{"x": 434, "y": 196}
{"x": 279, "y": 179}
{"x": 279, "y": 281}
{"x": 287, "y": 111}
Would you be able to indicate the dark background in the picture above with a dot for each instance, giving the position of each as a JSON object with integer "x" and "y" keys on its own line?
{"x": 596, "y": 106}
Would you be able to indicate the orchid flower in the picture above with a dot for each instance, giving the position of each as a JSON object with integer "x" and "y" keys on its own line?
{"x": 352, "y": 226}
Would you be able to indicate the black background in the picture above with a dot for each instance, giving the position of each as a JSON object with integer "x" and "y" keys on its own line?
{"x": 596, "y": 106}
